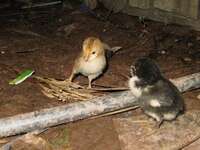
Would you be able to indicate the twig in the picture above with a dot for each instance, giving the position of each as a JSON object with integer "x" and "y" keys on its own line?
{"x": 23, "y": 13}
{"x": 27, "y": 33}
{"x": 115, "y": 112}
{"x": 42, "y": 4}
{"x": 109, "y": 89}
{"x": 189, "y": 143}
{"x": 27, "y": 51}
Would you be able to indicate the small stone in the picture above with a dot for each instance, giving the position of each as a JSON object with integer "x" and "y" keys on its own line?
{"x": 2, "y": 52}
{"x": 198, "y": 96}
{"x": 163, "y": 52}
{"x": 187, "y": 59}
{"x": 104, "y": 30}
{"x": 176, "y": 40}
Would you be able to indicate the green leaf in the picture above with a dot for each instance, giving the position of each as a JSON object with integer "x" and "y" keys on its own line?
{"x": 21, "y": 77}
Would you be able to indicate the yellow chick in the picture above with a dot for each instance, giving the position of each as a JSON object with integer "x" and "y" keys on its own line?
{"x": 92, "y": 61}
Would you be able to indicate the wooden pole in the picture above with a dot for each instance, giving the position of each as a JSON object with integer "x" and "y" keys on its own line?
{"x": 80, "y": 110}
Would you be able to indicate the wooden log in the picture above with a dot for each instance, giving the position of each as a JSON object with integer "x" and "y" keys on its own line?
{"x": 188, "y": 82}
{"x": 80, "y": 110}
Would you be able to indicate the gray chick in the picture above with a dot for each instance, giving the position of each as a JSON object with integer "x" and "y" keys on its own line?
{"x": 157, "y": 96}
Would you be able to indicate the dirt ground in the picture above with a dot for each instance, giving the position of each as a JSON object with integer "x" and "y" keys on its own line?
{"x": 41, "y": 40}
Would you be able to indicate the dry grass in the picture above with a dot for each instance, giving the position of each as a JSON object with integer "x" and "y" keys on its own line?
{"x": 69, "y": 91}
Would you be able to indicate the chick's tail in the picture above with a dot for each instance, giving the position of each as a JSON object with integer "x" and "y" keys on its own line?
{"x": 110, "y": 51}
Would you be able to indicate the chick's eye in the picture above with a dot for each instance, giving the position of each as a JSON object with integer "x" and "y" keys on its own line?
{"x": 93, "y": 52}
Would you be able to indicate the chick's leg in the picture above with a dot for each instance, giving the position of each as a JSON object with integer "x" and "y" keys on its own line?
{"x": 71, "y": 77}
{"x": 91, "y": 78}
{"x": 159, "y": 123}
{"x": 74, "y": 72}
{"x": 155, "y": 115}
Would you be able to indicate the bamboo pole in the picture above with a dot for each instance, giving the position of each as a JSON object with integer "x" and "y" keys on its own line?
{"x": 80, "y": 110}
